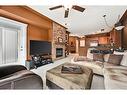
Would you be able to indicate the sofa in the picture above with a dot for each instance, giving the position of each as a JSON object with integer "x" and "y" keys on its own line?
{"x": 18, "y": 77}
{"x": 115, "y": 75}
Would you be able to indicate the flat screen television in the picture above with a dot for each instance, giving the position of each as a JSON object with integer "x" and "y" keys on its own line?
{"x": 40, "y": 47}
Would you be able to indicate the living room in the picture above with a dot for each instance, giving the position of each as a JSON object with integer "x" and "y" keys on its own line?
{"x": 91, "y": 51}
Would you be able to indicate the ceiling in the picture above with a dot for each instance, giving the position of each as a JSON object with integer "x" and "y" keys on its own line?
{"x": 89, "y": 22}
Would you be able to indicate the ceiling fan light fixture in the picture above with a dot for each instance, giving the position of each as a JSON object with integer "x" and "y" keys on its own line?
{"x": 67, "y": 7}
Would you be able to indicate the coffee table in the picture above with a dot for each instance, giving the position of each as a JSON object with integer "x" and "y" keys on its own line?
{"x": 57, "y": 80}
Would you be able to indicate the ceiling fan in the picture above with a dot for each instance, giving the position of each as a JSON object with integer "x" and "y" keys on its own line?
{"x": 75, "y": 7}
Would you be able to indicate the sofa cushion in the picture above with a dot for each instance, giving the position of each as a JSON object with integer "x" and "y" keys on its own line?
{"x": 98, "y": 57}
{"x": 115, "y": 77}
{"x": 115, "y": 59}
{"x": 23, "y": 79}
{"x": 124, "y": 60}
{"x": 106, "y": 57}
{"x": 106, "y": 65}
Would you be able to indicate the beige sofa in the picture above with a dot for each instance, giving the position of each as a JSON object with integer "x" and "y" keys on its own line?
{"x": 115, "y": 76}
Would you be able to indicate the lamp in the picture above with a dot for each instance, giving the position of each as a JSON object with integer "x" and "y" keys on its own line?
{"x": 104, "y": 16}
{"x": 118, "y": 26}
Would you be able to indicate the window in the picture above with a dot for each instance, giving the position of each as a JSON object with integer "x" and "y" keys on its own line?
{"x": 82, "y": 43}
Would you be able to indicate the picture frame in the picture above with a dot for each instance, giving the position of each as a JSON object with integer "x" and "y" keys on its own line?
{"x": 82, "y": 43}
{"x": 60, "y": 40}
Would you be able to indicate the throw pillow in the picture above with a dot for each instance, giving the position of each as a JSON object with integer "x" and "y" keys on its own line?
{"x": 115, "y": 59}
{"x": 98, "y": 57}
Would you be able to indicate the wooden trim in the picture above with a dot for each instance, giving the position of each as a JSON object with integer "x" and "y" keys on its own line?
{"x": 45, "y": 17}
{"x": 123, "y": 17}
{"x": 37, "y": 13}
{"x": 98, "y": 35}
{"x": 9, "y": 8}
{"x": 5, "y": 12}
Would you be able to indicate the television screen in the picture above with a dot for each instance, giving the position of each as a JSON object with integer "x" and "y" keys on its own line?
{"x": 40, "y": 47}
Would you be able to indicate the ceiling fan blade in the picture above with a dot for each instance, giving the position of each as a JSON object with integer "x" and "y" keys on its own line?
{"x": 78, "y": 8}
{"x": 66, "y": 13}
{"x": 56, "y": 7}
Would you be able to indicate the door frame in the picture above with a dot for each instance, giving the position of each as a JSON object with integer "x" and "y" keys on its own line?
{"x": 22, "y": 38}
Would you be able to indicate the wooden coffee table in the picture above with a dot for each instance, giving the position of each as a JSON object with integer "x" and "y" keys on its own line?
{"x": 57, "y": 80}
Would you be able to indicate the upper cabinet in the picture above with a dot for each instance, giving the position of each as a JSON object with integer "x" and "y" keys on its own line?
{"x": 102, "y": 39}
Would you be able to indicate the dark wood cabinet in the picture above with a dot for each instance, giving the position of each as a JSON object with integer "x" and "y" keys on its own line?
{"x": 72, "y": 44}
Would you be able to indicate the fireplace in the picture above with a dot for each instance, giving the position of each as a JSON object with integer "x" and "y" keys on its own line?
{"x": 59, "y": 52}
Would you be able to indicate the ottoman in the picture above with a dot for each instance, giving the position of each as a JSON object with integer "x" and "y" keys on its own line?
{"x": 57, "y": 80}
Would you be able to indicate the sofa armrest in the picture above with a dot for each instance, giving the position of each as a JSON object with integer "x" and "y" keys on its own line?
{"x": 9, "y": 69}
{"x": 23, "y": 79}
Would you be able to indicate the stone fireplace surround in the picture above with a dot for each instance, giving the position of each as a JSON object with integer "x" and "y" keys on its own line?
{"x": 54, "y": 52}
{"x": 58, "y": 32}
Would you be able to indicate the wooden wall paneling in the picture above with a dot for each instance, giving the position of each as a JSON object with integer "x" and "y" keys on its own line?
{"x": 125, "y": 38}
{"x": 35, "y": 33}
{"x": 22, "y": 14}
{"x": 39, "y": 26}
{"x": 124, "y": 34}
{"x": 50, "y": 35}
{"x": 116, "y": 37}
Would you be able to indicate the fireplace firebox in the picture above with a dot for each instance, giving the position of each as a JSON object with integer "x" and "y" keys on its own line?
{"x": 59, "y": 52}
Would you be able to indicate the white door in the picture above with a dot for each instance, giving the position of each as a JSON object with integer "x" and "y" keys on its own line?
{"x": 10, "y": 46}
